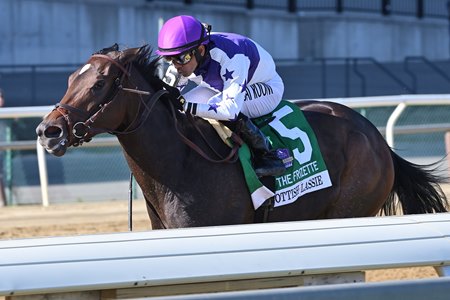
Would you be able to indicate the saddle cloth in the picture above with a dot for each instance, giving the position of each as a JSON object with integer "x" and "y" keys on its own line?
{"x": 289, "y": 132}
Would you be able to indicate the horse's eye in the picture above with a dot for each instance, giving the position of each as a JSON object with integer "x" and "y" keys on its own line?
{"x": 99, "y": 84}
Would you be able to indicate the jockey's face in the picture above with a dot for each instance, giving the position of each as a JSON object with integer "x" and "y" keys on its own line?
{"x": 187, "y": 69}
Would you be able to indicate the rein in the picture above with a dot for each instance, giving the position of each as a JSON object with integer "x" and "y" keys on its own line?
{"x": 232, "y": 157}
{"x": 83, "y": 131}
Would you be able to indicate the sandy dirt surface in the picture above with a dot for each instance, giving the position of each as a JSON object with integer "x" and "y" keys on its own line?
{"x": 33, "y": 221}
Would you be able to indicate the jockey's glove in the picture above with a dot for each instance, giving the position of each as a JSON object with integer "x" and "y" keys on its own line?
{"x": 179, "y": 102}
{"x": 175, "y": 97}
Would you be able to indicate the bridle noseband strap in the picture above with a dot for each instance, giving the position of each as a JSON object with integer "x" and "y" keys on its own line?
{"x": 72, "y": 109}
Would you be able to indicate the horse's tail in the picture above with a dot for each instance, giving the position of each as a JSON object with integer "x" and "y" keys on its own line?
{"x": 417, "y": 188}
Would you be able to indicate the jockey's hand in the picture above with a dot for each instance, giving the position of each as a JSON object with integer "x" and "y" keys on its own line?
{"x": 178, "y": 102}
{"x": 175, "y": 97}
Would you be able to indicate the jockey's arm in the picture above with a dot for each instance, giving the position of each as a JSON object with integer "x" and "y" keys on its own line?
{"x": 227, "y": 104}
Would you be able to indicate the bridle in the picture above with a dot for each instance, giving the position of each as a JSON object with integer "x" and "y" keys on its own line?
{"x": 83, "y": 131}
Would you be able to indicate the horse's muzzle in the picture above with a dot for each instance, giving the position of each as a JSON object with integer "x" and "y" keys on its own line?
{"x": 53, "y": 137}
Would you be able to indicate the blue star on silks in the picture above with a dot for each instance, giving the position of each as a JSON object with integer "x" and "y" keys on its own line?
{"x": 213, "y": 107}
{"x": 244, "y": 85}
{"x": 228, "y": 74}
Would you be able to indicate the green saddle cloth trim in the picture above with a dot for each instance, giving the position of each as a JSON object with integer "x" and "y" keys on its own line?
{"x": 290, "y": 133}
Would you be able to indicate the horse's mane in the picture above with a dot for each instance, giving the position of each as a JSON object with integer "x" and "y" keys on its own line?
{"x": 150, "y": 66}
{"x": 152, "y": 70}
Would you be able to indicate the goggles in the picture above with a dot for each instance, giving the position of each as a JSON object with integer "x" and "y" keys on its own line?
{"x": 181, "y": 59}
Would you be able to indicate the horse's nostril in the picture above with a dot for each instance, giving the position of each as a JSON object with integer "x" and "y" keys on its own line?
{"x": 52, "y": 132}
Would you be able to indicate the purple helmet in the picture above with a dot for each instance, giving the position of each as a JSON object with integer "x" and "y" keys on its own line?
{"x": 181, "y": 34}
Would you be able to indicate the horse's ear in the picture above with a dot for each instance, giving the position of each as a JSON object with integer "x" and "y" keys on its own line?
{"x": 106, "y": 50}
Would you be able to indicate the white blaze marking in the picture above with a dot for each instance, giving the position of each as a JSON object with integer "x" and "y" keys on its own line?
{"x": 84, "y": 69}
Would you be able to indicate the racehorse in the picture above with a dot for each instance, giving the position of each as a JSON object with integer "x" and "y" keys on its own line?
{"x": 121, "y": 92}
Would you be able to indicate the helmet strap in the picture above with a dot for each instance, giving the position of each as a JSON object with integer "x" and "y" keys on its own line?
{"x": 206, "y": 28}
{"x": 198, "y": 57}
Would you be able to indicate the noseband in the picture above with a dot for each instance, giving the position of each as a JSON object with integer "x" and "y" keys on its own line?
{"x": 83, "y": 131}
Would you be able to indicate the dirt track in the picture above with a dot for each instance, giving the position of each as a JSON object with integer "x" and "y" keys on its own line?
{"x": 106, "y": 217}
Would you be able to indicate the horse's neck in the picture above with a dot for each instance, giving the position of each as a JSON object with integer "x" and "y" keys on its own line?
{"x": 155, "y": 157}
{"x": 151, "y": 144}
{"x": 169, "y": 172}
{"x": 154, "y": 143}
{"x": 179, "y": 183}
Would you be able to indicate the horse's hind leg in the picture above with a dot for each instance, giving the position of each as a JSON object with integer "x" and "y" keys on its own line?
{"x": 367, "y": 179}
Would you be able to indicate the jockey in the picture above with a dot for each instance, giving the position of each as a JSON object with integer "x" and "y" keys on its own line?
{"x": 236, "y": 80}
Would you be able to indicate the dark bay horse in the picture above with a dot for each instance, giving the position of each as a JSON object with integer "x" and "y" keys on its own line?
{"x": 183, "y": 189}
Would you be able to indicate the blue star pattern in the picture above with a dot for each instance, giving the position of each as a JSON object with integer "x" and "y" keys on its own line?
{"x": 244, "y": 85}
{"x": 213, "y": 107}
{"x": 228, "y": 74}
{"x": 230, "y": 77}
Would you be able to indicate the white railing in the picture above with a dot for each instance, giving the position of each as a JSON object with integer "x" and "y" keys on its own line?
{"x": 213, "y": 259}
{"x": 400, "y": 102}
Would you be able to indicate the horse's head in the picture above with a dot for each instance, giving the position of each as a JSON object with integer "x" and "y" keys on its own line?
{"x": 95, "y": 99}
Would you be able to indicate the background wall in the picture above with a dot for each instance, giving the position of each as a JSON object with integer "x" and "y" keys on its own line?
{"x": 68, "y": 31}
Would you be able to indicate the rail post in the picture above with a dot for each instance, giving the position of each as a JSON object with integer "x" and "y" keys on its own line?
{"x": 42, "y": 173}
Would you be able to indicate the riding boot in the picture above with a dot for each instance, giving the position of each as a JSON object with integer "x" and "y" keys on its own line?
{"x": 266, "y": 162}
